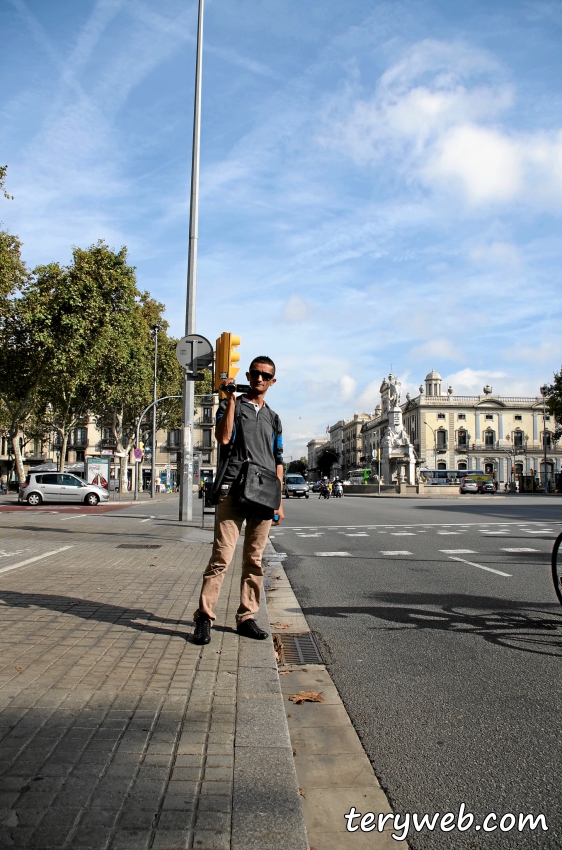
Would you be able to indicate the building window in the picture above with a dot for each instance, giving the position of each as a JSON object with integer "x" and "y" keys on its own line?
{"x": 205, "y": 457}
{"x": 441, "y": 439}
{"x": 81, "y": 437}
{"x": 518, "y": 417}
{"x": 174, "y": 437}
{"x": 518, "y": 439}
{"x": 208, "y": 415}
{"x": 174, "y": 457}
{"x": 441, "y": 416}
{"x": 80, "y": 456}
{"x": 462, "y": 415}
{"x": 441, "y": 465}
{"x": 462, "y": 465}
{"x": 463, "y": 439}
{"x": 547, "y": 418}
{"x": 489, "y": 468}
{"x": 206, "y": 438}
{"x": 489, "y": 438}
{"x": 489, "y": 416}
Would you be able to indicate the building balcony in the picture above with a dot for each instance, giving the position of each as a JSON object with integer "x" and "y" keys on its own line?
{"x": 108, "y": 443}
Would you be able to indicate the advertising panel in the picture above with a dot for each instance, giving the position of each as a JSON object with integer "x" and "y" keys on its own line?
{"x": 97, "y": 471}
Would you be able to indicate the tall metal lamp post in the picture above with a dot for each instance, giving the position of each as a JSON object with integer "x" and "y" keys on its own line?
{"x": 186, "y": 478}
{"x": 154, "y": 329}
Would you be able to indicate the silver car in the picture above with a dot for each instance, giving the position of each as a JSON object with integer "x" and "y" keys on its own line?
{"x": 469, "y": 486}
{"x": 295, "y": 485}
{"x": 59, "y": 487}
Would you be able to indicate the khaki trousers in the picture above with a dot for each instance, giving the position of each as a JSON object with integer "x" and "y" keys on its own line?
{"x": 227, "y": 531}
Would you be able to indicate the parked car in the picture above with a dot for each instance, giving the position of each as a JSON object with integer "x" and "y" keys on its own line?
{"x": 295, "y": 485}
{"x": 60, "y": 487}
{"x": 469, "y": 486}
{"x": 487, "y": 487}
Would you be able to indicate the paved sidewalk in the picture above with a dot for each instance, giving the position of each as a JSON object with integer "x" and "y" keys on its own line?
{"x": 116, "y": 732}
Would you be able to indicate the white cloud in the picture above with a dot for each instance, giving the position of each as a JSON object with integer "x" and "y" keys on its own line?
{"x": 436, "y": 118}
{"x": 497, "y": 254}
{"x": 484, "y": 163}
{"x": 436, "y": 348}
{"x": 295, "y": 310}
{"x": 347, "y": 387}
{"x": 472, "y": 381}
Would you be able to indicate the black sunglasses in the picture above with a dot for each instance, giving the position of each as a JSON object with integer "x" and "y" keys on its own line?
{"x": 256, "y": 373}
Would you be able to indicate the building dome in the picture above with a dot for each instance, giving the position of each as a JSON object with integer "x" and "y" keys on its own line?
{"x": 433, "y": 383}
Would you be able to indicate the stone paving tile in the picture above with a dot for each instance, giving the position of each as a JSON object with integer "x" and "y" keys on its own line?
{"x": 114, "y": 709}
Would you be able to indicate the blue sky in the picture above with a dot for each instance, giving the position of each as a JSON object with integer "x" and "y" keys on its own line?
{"x": 381, "y": 183}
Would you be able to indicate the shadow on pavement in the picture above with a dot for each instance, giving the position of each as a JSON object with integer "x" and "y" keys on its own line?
{"x": 502, "y": 622}
{"x": 103, "y": 612}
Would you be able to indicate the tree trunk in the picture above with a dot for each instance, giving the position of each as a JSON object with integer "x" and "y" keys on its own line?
{"x": 15, "y": 438}
{"x": 64, "y": 434}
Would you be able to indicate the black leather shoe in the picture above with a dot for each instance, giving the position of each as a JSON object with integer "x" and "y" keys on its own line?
{"x": 202, "y": 633}
{"x": 249, "y": 628}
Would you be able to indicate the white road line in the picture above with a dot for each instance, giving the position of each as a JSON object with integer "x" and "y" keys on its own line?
{"x": 399, "y": 552}
{"x": 521, "y": 549}
{"x": 458, "y": 551}
{"x": 402, "y": 534}
{"x": 357, "y": 534}
{"x": 333, "y": 554}
{"x": 480, "y": 567}
{"x": 32, "y": 560}
{"x": 448, "y": 532}
{"x": 147, "y": 519}
{"x": 75, "y": 516}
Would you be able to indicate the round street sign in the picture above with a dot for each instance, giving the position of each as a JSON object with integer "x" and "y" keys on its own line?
{"x": 137, "y": 454}
{"x": 194, "y": 353}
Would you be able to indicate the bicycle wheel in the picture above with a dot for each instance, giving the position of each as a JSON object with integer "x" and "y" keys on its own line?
{"x": 557, "y": 567}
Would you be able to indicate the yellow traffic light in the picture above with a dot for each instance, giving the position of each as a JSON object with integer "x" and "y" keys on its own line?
{"x": 226, "y": 358}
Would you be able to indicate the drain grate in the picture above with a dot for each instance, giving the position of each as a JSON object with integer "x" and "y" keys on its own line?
{"x": 140, "y": 546}
{"x": 297, "y": 649}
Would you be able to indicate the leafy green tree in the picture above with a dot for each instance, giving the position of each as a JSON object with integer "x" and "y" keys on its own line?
{"x": 3, "y": 170}
{"x": 299, "y": 466}
{"x": 554, "y": 403}
{"x": 327, "y": 456}
{"x": 128, "y": 375}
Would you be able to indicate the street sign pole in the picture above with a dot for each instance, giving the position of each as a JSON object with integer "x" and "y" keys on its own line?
{"x": 186, "y": 478}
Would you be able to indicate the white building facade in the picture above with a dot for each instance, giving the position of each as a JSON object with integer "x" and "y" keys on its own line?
{"x": 504, "y": 436}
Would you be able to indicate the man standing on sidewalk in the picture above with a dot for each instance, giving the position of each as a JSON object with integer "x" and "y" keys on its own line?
{"x": 246, "y": 428}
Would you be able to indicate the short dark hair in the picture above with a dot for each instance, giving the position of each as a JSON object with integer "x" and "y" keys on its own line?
{"x": 267, "y": 360}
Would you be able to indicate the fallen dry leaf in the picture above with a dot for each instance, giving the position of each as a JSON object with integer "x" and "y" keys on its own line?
{"x": 281, "y": 625}
{"x": 306, "y": 696}
{"x": 294, "y": 751}
{"x": 289, "y": 715}
{"x": 19, "y": 669}
{"x": 284, "y": 672}
{"x": 302, "y": 793}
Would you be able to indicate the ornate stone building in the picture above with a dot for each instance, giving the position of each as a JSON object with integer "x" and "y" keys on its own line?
{"x": 501, "y": 435}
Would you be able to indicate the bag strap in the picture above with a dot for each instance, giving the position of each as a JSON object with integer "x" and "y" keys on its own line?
{"x": 237, "y": 418}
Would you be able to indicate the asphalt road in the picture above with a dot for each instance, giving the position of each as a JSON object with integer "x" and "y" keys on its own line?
{"x": 443, "y": 634}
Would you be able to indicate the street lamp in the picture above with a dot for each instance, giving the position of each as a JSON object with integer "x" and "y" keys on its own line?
{"x": 434, "y": 444}
{"x": 544, "y": 390}
{"x": 155, "y": 329}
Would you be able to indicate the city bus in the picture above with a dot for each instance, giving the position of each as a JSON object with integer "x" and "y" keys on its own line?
{"x": 454, "y": 476}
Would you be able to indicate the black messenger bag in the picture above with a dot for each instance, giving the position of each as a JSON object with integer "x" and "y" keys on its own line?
{"x": 257, "y": 490}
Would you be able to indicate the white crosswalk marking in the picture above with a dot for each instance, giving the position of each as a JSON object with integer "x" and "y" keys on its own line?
{"x": 333, "y": 554}
{"x": 398, "y": 552}
{"x": 458, "y": 551}
{"x": 520, "y": 549}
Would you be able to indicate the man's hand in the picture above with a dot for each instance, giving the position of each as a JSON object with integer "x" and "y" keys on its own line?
{"x": 281, "y": 514}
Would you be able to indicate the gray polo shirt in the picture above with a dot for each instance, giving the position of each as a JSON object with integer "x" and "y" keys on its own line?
{"x": 257, "y": 435}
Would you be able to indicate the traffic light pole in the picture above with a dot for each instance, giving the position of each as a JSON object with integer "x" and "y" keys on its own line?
{"x": 186, "y": 478}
